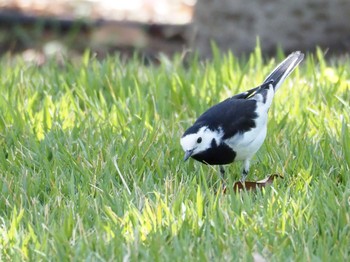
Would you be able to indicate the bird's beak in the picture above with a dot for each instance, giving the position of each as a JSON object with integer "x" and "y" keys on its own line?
{"x": 188, "y": 153}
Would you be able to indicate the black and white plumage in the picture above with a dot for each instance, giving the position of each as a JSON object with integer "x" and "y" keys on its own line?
{"x": 235, "y": 129}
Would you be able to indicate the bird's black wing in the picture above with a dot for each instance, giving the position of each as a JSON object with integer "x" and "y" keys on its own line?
{"x": 231, "y": 115}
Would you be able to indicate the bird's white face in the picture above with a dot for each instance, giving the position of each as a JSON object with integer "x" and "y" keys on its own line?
{"x": 198, "y": 142}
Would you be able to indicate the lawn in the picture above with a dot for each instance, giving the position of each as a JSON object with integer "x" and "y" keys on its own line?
{"x": 92, "y": 168}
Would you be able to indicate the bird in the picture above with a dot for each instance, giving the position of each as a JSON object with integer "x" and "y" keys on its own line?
{"x": 235, "y": 129}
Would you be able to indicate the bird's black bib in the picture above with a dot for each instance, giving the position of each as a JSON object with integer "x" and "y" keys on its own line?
{"x": 216, "y": 155}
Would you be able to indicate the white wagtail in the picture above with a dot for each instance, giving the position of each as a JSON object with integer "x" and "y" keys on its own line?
{"x": 235, "y": 129}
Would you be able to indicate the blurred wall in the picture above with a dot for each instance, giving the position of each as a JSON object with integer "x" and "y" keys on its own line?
{"x": 292, "y": 24}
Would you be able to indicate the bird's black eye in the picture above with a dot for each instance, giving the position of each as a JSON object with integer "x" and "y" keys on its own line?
{"x": 199, "y": 140}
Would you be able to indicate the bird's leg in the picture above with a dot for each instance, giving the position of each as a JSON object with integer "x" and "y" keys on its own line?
{"x": 245, "y": 171}
{"x": 222, "y": 173}
{"x": 222, "y": 176}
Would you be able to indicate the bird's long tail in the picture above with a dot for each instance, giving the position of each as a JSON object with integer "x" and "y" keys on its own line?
{"x": 276, "y": 77}
{"x": 283, "y": 70}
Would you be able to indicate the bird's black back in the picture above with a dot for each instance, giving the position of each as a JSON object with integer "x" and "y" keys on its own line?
{"x": 231, "y": 115}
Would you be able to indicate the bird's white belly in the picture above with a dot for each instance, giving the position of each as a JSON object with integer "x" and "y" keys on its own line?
{"x": 247, "y": 144}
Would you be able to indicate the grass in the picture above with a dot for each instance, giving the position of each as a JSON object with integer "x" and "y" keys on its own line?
{"x": 91, "y": 165}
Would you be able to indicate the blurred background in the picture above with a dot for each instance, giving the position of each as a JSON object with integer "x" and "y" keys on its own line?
{"x": 38, "y": 29}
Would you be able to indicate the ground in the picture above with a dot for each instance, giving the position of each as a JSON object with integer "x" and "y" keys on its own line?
{"x": 92, "y": 168}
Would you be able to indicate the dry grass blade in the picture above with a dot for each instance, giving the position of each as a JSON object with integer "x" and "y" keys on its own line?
{"x": 120, "y": 174}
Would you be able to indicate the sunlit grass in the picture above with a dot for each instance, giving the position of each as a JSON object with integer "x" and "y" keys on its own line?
{"x": 91, "y": 166}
